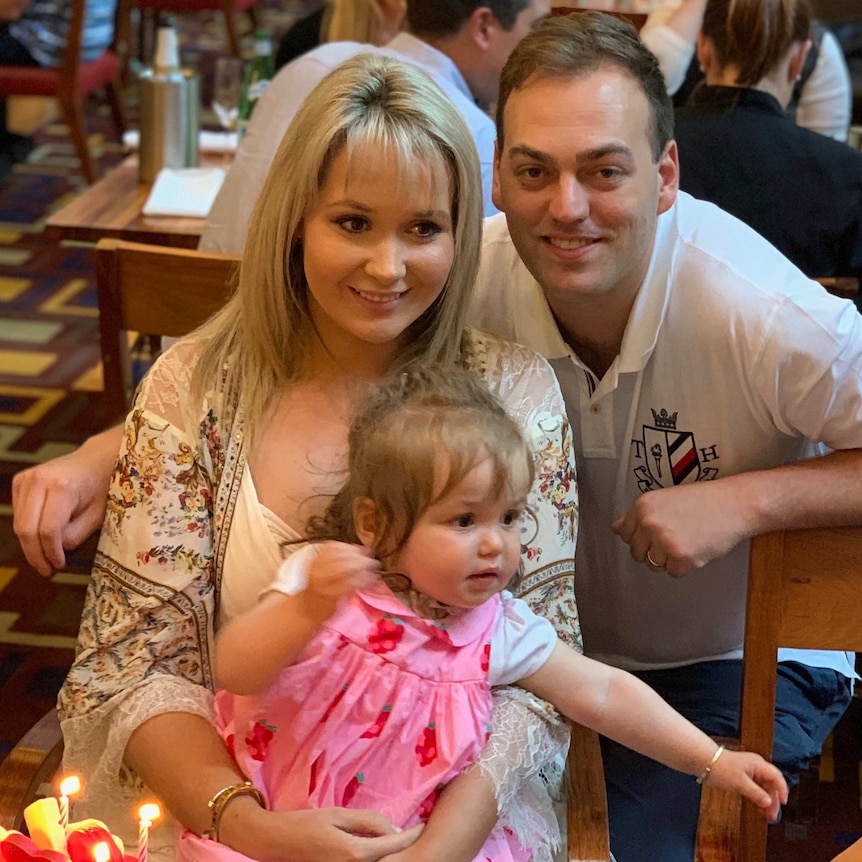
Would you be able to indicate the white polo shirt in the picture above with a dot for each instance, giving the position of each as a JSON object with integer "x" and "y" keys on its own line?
{"x": 732, "y": 361}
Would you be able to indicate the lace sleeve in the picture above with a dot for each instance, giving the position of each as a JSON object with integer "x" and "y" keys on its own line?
{"x": 527, "y": 386}
{"x": 147, "y": 621}
{"x": 525, "y": 755}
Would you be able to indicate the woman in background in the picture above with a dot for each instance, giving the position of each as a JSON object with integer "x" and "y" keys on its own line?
{"x": 372, "y": 22}
{"x": 739, "y": 150}
{"x": 821, "y": 102}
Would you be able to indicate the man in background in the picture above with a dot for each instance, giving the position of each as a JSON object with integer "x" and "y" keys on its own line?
{"x": 461, "y": 44}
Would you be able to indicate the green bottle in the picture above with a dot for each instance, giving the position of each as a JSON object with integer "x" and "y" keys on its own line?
{"x": 258, "y": 73}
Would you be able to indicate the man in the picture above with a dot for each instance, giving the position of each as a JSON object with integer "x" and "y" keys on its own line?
{"x": 695, "y": 361}
{"x": 461, "y": 44}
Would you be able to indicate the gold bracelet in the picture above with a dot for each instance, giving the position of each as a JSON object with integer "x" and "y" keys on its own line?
{"x": 220, "y": 801}
{"x": 708, "y": 768}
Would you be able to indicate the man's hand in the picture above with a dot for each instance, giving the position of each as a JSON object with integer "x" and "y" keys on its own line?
{"x": 685, "y": 527}
{"x": 12, "y": 10}
{"x": 58, "y": 504}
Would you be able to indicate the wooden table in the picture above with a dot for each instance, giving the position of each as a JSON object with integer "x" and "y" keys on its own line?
{"x": 112, "y": 208}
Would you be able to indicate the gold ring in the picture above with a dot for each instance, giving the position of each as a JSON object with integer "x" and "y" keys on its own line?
{"x": 652, "y": 562}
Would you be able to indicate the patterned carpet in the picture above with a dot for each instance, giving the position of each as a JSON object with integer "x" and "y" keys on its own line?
{"x": 50, "y": 401}
{"x": 50, "y": 379}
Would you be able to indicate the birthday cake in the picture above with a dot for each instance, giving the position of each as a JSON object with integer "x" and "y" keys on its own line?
{"x": 52, "y": 838}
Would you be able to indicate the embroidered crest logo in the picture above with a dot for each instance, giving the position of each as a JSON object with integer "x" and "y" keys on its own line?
{"x": 669, "y": 456}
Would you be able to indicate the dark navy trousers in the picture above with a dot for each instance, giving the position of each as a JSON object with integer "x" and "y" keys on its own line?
{"x": 653, "y": 809}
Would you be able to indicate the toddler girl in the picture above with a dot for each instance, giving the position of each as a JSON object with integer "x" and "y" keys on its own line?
{"x": 378, "y": 692}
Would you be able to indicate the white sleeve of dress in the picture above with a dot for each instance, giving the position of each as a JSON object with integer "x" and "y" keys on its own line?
{"x": 143, "y": 645}
{"x": 672, "y": 51}
{"x": 825, "y": 104}
{"x": 525, "y": 754}
{"x": 521, "y": 642}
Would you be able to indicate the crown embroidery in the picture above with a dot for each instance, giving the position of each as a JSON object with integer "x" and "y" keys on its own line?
{"x": 663, "y": 419}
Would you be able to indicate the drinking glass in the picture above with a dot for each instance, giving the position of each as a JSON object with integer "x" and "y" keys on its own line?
{"x": 226, "y": 90}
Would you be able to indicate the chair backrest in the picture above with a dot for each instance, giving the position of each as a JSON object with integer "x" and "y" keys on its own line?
{"x": 32, "y": 763}
{"x": 804, "y": 591}
{"x": 72, "y": 52}
{"x": 153, "y": 290}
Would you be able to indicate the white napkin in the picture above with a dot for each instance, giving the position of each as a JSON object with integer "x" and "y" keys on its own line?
{"x": 208, "y": 142}
{"x": 184, "y": 192}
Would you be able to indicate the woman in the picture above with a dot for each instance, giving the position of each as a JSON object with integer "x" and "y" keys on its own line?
{"x": 821, "y": 99}
{"x": 360, "y": 260}
{"x": 374, "y": 22}
{"x": 737, "y": 148}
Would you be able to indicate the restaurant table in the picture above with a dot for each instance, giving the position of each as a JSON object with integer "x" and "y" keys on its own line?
{"x": 112, "y": 208}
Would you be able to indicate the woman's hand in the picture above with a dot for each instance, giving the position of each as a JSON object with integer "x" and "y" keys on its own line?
{"x": 310, "y": 836}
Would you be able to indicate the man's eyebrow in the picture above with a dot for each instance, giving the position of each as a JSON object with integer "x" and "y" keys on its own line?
{"x": 601, "y": 152}
{"x": 584, "y": 157}
{"x": 530, "y": 153}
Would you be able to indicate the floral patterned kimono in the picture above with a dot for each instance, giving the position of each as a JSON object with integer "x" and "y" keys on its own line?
{"x": 172, "y": 564}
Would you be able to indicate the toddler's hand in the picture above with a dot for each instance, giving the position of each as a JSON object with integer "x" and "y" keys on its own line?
{"x": 339, "y": 569}
{"x": 753, "y": 777}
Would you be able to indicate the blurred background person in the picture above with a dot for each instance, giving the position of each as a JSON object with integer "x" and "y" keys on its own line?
{"x": 820, "y": 100}
{"x": 738, "y": 148}
{"x": 374, "y": 22}
{"x": 33, "y": 33}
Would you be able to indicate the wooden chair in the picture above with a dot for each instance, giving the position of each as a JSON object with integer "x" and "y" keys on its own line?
{"x": 852, "y": 854}
{"x": 154, "y": 290}
{"x": 72, "y": 81}
{"x": 228, "y": 8}
{"x": 32, "y": 763}
{"x": 805, "y": 591}
{"x": 846, "y": 287}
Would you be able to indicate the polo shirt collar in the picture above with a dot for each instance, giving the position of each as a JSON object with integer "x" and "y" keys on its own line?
{"x": 536, "y": 326}
{"x": 431, "y": 60}
{"x": 650, "y": 305}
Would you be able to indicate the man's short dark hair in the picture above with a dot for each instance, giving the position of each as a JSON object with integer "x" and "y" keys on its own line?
{"x": 572, "y": 46}
{"x": 437, "y": 18}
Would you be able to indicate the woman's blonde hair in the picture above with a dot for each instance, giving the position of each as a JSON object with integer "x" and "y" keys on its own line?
{"x": 351, "y": 21}
{"x": 259, "y": 340}
{"x": 395, "y": 446}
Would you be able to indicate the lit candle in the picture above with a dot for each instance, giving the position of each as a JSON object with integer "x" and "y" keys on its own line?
{"x": 101, "y": 852}
{"x": 147, "y": 814}
{"x": 43, "y": 823}
{"x": 68, "y": 786}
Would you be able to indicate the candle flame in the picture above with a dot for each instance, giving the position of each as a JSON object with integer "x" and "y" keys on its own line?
{"x": 70, "y": 785}
{"x": 101, "y": 852}
{"x": 150, "y": 811}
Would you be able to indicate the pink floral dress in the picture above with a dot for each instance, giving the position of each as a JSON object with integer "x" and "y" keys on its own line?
{"x": 380, "y": 712}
